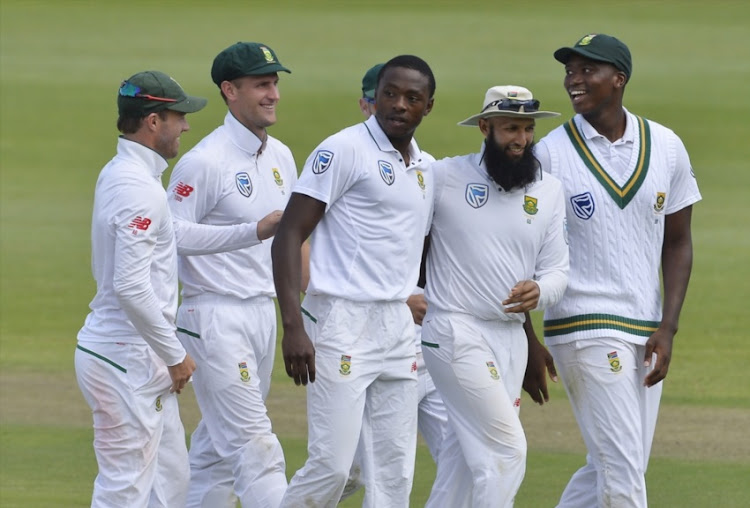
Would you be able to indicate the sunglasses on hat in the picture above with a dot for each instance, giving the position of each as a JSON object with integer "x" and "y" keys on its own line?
{"x": 529, "y": 106}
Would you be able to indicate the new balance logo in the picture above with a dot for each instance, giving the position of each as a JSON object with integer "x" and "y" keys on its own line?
{"x": 182, "y": 190}
{"x": 140, "y": 223}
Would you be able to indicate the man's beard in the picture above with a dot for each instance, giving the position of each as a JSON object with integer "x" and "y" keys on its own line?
{"x": 509, "y": 172}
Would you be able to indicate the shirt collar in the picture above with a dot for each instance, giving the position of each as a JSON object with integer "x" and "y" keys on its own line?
{"x": 143, "y": 155}
{"x": 384, "y": 144}
{"x": 629, "y": 136}
{"x": 243, "y": 137}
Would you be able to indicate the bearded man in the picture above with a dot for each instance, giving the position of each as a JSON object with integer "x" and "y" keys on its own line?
{"x": 497, "y": 250}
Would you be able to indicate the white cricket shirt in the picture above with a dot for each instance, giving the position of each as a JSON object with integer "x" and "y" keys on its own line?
{"x": 484, "y": 240}
{"x": 218, "y": 192}
{"x": 133, "y": 258}
{"x": 368, "y": 245}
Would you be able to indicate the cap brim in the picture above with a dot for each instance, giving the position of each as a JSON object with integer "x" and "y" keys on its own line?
{"x": 269, "y": 69}
{"x": 473, "y": 121}
{"x": 370, "y": 94}
{"x": 189, "y": 105}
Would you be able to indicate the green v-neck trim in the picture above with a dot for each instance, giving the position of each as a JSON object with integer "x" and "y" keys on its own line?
{"x": 622, "y": 195}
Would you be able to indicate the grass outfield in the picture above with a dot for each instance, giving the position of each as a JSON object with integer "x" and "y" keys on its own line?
{"x": 61, "y": 63}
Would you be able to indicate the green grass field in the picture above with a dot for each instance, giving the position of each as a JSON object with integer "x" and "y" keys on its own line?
{"x": 62, "y": 61}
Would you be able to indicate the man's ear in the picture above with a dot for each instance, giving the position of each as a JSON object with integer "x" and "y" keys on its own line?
{"x": 228, "y": 88}
{"x": 484, "y": 126}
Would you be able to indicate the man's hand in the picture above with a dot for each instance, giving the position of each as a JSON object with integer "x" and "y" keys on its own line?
{"x": 661, "y": 344}
{"x": 418, "y": 307}
{"x": 539, "y": 362}
{"x": 268, "y": 224}
{"x": 181, "y": 373}
{"x": 523, "y": 297}
{"x": 299, "y": 356}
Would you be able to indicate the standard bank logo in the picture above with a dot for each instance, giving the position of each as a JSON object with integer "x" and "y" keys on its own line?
{"x": 322, "y": 161}
{"x": 386, "y": 172}
{"x": 583, "y": 205}
{"x": 244, "y": 185}
{"x": 477, "y": 194}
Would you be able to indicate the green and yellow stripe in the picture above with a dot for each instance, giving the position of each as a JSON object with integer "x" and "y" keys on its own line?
{"x": 554, "y": 327}
{"x": 622, "y": 195}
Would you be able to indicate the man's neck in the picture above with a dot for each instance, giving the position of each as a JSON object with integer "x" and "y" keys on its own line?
{"x": 610, "y": 124}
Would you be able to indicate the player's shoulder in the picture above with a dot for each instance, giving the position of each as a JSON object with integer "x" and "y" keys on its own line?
{"x": 278, "y": 146}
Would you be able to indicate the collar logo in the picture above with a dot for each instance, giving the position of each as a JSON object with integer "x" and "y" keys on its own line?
{"x": 244, "y": 184}
{"x": 386, "y": 172}
{"x": 583, "y": 205}
{"x": 530, "y": 205}
{"x": 661, "y": 197}
{"x": 322, "y": 161}
{"x": 477, "y": 194}
{"x": 267, "y": 54}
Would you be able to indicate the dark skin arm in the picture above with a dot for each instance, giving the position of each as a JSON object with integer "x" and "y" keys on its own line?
{"x": 538, "y": 364}
{"x": 677, "y": 263}
{"x": 301, "y": 216}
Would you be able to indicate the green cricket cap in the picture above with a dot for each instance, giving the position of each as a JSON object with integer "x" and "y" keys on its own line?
{"x": 602, "y": 48}
{"x": 370, "y": 81}
{"x": 151, "y": 91}
{"x": 245, "y": 59}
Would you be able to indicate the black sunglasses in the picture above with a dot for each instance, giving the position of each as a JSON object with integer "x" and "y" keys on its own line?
{"x": 128, "y": 89}
{"x": 529, "y": 106}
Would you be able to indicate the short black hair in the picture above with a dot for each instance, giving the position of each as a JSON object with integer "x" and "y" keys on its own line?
{"x": 411, "y": 62}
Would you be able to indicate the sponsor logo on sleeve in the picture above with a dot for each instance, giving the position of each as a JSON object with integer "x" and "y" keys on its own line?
{"x": 583, "y": 205}
{"x": 386, "y": 172}
{"x": 139, "y": 224}
{"x": 182, "y": 190}
{"x": 322, "y": 161}
{"x": 244, "y": 184}
{"x": 477, "y": 194}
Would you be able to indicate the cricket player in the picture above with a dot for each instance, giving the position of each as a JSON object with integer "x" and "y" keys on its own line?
{"x": 227, "y": 195}
{"x": 497, "y": 250}
{"x": 431, "y": 416}
{"x": 129, "y": 363}
{"x": 629, "y": 190}
{"x": 365, "y": 195}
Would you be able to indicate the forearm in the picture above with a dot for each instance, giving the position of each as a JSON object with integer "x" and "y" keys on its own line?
{"x": 198, "y": 239}
{"x": 677, "y": 263}
{"x": 287, "y": 276}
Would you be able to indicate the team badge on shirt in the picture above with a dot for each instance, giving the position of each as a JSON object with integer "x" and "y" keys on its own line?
{"x": 661, "y": 197}
{"x": 583, "y": 205}
{"x": 244, "y": 184}
{"x": 614, "y": 362}
{"x": 530, "y": 205}
{"x": 477, "y": 194}
{"x": 493, "y": 371}
{"x": 345, "y": 368}
{"x": 420, "y": 180}
{"x": 277, "y": 177}
{"x": 386, "y": 172}
{"x": 322, "y": 161}
{"x": 158, "y": 405}
{"x": 244, "y": 373}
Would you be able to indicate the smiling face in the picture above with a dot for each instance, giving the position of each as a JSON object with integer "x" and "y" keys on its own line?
{"x": 168, "y": 129}
{"x": 593, "y": 87}
{"x": 403, "y": 99}
{"x": 252, "y": 100}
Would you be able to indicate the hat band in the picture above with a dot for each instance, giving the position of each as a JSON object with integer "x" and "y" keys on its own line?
{"x": 529, "y": 106}
{"x": 130, "y": 90}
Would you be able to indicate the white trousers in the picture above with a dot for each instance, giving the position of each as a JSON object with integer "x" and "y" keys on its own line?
{"x": 432, "y": 422}
{"x": 365, "y": 374}
{"x": 478, "y": 368}
{"x": 233, "y": 450}
{"x": 617, "y": 417}
{"x": 139, "y": 440}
